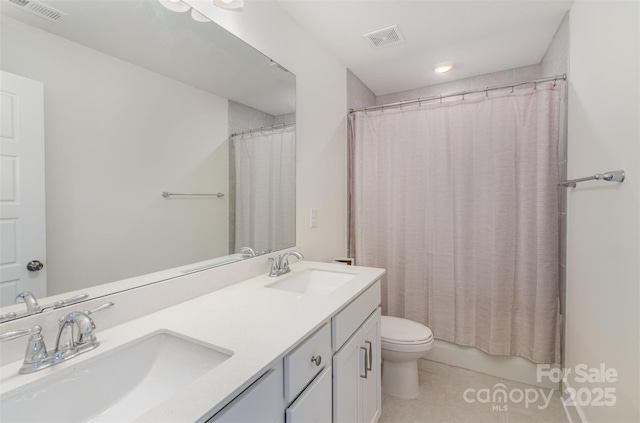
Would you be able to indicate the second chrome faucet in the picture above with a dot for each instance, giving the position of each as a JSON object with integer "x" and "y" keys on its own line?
{"x": 280, "y": 263}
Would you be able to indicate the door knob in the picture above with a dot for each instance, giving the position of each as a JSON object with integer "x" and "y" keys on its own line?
{"x": 34, "y": 265}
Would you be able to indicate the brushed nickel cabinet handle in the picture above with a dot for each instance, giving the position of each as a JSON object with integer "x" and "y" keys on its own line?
{"x": 370, "y": 356}
{"x": 366, "y": 359}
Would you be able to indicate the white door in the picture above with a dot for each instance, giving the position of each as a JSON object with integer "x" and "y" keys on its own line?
{"x": 22, "y": 202}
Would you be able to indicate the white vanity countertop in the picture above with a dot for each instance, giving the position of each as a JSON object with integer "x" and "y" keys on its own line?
{"x": 259, "y": 325}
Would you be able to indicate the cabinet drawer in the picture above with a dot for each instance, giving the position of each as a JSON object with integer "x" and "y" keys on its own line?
{"x": 314, "y": 405}
{"x": 299, "y": 369}
{"x": 345, "y": 323}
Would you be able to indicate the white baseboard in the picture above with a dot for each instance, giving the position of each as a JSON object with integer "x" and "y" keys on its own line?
{"x": 512, "y": 368}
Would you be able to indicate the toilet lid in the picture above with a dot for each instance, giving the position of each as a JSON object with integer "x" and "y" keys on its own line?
{"x": 402, "y": 331}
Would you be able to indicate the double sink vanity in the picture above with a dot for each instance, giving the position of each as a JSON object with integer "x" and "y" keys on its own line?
{"x": 300, "y": 347}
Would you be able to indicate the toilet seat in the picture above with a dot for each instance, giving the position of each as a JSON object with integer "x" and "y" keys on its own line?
{"x": 402, "y": 332}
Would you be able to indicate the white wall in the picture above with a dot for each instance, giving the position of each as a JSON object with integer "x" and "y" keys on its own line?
{"x": 358, "y": 94}
{"x": 509, "y": 76}
{"x": 603, "y": 228}
{"x": 320, "y": 115}
{"x": 104, "y": 180}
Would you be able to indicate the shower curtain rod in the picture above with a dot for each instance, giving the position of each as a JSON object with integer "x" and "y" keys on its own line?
{"x": 556, "y": 78}
{"x": 264, "y": 128}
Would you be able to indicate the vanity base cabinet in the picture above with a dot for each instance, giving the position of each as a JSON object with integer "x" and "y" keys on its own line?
{"x": 356, "y": 375}
{"x": 331, "y": 376}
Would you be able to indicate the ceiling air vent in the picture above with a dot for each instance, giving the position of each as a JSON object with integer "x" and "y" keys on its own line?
{"x": 384, "y": 37}
{"x": 39, "y": 9}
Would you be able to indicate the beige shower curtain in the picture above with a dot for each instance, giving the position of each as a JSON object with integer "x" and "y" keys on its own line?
{"x": 459, "y": 202}
{"x": 265, "y": 189}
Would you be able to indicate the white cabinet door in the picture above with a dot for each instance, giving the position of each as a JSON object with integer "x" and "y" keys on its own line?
{"x": 347, "y": 369}
{"x": 356, "y": 375}
{"x": 314, "y": 404}
{"x": 371, "y": 385}
{"x": 262, "y": 402}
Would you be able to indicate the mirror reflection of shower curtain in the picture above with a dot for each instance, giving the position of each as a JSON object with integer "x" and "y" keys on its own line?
{"x": 459, "y": 202}
{"x": 265, "y": 190}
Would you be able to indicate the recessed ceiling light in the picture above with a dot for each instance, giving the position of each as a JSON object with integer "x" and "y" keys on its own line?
{"x": 443, "y": 67}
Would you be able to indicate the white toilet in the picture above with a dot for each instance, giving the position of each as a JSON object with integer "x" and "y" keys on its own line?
{"x": 403, "y": 343}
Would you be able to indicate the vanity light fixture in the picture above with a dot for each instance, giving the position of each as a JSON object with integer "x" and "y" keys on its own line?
{"x": 199, "y": 17}
{"x": 229, "y": 4}
{"x": 443, "y": 67}
{"x": 180, "y": 6}
{"x": 175, "y": 5}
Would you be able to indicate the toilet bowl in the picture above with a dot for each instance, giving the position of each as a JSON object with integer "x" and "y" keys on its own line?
{"x": 403, "y": 342}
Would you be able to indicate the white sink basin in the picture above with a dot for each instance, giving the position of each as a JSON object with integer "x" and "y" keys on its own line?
{"x": 119, "y": 386}
{"x": 313, "y": 282}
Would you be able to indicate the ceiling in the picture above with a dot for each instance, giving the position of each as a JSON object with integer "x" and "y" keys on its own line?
{"x": 203, "y": 55}
{"x": 480, "y": 36}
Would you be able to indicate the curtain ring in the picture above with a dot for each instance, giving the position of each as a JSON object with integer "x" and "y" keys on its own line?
{"x": 486, "y": 92}
{"x": 462, "y": 96}
{"x": 535, "y": 85}
{"x": 401, "y": 103}
{"x": 512, "y": 89}
{"x": 555, "y": 81}
{"x": 419, "y": 102}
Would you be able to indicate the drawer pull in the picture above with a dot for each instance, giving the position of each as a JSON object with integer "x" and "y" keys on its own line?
{"x": 316, "y": 359}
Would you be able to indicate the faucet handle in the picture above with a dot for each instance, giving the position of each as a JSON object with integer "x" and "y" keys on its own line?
{"x": 100, "y": 308}
{"x": 36, "y": 349}
{"x": 69, "y": 301}
{"x": 86, "y": 325}
{"x": 9, "y": 316}
{"x": 15, "y": 334}
{"x": 104, "y": 306}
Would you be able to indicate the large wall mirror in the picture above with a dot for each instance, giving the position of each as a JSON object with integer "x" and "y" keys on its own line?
{"x": 138, "y": 144}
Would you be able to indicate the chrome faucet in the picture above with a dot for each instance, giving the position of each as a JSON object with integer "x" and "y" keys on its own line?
{"x": 67, "y": 345}
{"x": 30, "y": 301}
{"x": 248, "y": 252}
{"x": 280, "y": 263}
{"x": 34, "y": 308}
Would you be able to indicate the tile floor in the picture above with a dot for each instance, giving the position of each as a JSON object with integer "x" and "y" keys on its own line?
{"x": 442, "y": 400}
